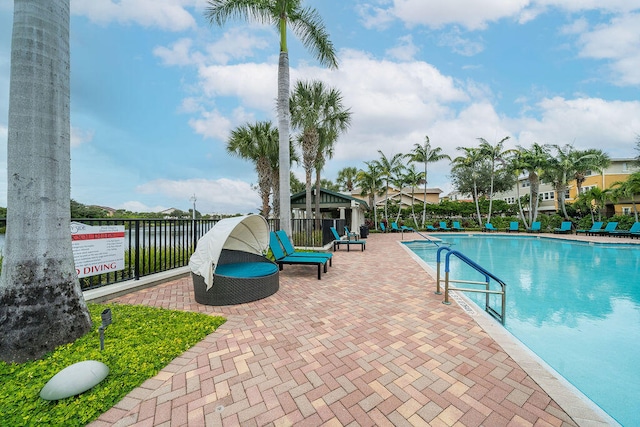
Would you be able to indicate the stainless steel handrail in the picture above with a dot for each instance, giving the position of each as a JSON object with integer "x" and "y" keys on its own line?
{"x": 500, "y": 316}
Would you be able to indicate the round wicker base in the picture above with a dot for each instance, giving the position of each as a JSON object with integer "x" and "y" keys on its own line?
{"x": 235, "y": 290}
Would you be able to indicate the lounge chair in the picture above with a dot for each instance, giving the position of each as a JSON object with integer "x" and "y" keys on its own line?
{"x": 611, "y": 226}
{"x": 535, "y": 227}
{"x": 338, "y": 241}
{"x": 430, "y": 227}
{"x": 443, "y": 226}
{"x": 456, "y": 226}
{"x": 394, "y": 227}
{"x": 565, "y": 228}
{"x": 513, "y": 226}
{"x": 632, "y": 232}
{"x": 290, "y": 250}
{"x": 351, "y": 234}
{"x": 383, "y": 227}
{"x": 594, "y": 228}
{"x": 405, "y": 228}
{"x": 489, "y": 227}
{"x": 281, "y": 259}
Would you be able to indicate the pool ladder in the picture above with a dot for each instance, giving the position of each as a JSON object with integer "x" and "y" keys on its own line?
{"x": 487, "y": 282}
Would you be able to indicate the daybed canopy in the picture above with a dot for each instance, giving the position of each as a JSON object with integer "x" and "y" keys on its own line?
{"x": 248, "y": 233}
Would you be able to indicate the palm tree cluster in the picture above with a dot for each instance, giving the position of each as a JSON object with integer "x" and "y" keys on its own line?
{"x": 398, "y": 171}
{"x": 315, "y": 110}
{"x": 548, "y": 163}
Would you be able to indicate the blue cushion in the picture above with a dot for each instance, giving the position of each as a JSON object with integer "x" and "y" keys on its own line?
{"x": 246, "y": 269}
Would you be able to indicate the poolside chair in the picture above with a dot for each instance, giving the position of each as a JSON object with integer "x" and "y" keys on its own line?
{"x": 350, "y": 234}
{"x": 290, "y": 250}
{"x": 383, "y": 227}
{"x": 456, "y": 226}
{"x": 535, "y": 227}
{"x": 394, "y": 227}
{"x": 338, "y": 241}
{"x": 443, "y": 226}
{"x": 595, "y": 227}
{"x": 513, "y": 226}
{"x": 565, "y": 228}
{"x": 488, "y": 227}
{"x": 405, "y": 228}
{"x": 632, "y": 232}
{"x": 430, "y": 227}
{"x": 281, "y": 259}
{"x": 611, "y": 226}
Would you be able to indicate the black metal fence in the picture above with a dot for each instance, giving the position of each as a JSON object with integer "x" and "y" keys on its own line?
{"x": 157, "y": 245}
{"x": 151, "y": 246}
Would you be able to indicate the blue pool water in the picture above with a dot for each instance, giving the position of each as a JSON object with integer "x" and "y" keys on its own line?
{"x": 574, "y": 304}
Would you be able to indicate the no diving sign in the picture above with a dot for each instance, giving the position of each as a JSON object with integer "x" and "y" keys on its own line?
{"x": 97, "y": 249}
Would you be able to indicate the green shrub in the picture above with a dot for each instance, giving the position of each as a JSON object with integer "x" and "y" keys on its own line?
{"x": 138, "y": 344}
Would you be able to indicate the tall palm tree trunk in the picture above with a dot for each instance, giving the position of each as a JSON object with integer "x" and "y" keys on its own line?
{"x": 41, "y": 304}
{"x": 283, "y": 140}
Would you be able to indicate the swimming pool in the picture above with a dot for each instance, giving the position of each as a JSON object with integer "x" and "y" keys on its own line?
{"x": 575, "y": 304}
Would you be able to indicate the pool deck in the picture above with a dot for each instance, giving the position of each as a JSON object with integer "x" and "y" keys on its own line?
{"x": 369, "y": 344}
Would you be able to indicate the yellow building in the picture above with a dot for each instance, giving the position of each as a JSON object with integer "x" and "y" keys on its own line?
{"x": 618, "y": 171}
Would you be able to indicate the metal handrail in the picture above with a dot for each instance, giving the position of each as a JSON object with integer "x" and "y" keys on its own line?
{"x": 487, "y": 282}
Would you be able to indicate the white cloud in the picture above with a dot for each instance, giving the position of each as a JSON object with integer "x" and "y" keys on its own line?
{"x": 405, "y": 50}
{"x": 168, "y": 15}
{"x": 80, "y": 136}
{"x": 618, "y": 42}
{"x": 219, "y": 196}
{"x": 584, "y": 122}
{"x": 459, "y": 44}
{"x": 471, "y": 14}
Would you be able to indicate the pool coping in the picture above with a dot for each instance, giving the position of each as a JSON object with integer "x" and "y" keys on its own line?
{"x": 576, "y": 404}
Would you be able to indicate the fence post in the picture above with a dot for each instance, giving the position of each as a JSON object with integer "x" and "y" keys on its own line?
{"x": 136, "y": 272}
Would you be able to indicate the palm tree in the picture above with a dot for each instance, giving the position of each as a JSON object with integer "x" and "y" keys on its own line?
{"x": 494, "y": 153}
{"x": 370, "y": 183}
{"x": 533, "y": 161}
{"x": 41, "y": 303}
{"x": 471, "y": 161}
{"x": 308, "y": 26}
{"x": 629, "y": 189}
{"x": 413, "y": 178}
{"x": 389, "y": 168}
{"x": 258, "y": 143}
{"x": 347, "y": 178}
{"x": 335, "y": 121}
{"x": 425, "y": 154}
{"x": 320, "y": 115}
{"x": 586, "y": 160}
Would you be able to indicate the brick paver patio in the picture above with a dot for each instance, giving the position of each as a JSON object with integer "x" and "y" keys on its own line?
{"x": 369, "y": 344}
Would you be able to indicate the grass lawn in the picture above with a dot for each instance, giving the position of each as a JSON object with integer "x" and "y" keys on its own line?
{"x": 138, "y": 344}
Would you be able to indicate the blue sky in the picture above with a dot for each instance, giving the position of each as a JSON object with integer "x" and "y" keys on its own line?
{"x": 156, "y": 90}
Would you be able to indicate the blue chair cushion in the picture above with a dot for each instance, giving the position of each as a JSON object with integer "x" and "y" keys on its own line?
{"x": 247, "y": 269}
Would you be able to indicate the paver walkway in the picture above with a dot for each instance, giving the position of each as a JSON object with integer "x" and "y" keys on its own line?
{"x": 369, "y": 344}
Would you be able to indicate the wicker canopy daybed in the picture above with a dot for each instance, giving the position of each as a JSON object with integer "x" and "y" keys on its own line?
{"x": 229, "y": 267}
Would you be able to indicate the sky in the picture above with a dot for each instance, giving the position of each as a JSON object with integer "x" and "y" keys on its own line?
{"x": 156, "y": 89}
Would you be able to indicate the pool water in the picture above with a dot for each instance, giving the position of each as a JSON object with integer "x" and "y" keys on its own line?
{"x": 575, "y": 304}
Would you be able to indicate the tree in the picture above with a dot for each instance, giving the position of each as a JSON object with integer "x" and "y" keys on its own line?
{"x": 629, "y": 189}
{"x": 586, "y": 160}
{"x": 494, "y": 153}
{"x": 307, "y": 25}
{"x": 533, "y": 161}
{"x": 320, "y": 115}
{"x": 425, "y": 154}
{"x": 258, "y": 143}
{"x": 41, "y": 304}
{"x": 347, "y": 178}
{"x": 389, "y": 169}
{"x": 471, "y": 162}
{"x": 370, "y": 183}
{"x": 414, "y": 178}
